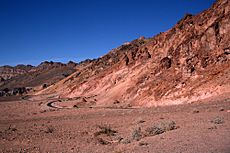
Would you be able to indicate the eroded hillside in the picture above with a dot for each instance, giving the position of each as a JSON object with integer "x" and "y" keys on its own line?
{"x": 187, "y": 63}
{"x": 22, "y": 79}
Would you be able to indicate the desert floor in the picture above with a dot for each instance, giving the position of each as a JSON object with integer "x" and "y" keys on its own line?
{"x": 32, "y": 126}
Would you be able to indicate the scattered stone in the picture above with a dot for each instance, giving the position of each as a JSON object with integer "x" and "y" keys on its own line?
{"x": 140, "y": 120}
{"x": 84, "y": 100}
{"x": 42, "y": 111}
{"x": 221, "y": 109}
{"x": 143, "y": 144}
{"x": 212, "y": 128}
{"x": 75, "y": 106}
{"x": 44, "y": 86}
{"x": 125, "y": 141}
{"x": 116, "y": 102}
{"x": 195, "y": 111}
{"x": 12, "y": 128}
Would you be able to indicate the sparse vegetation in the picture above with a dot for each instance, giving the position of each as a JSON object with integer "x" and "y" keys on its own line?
{"x": 105, "y": 130}
{"x": 102, "y": 141}
{"x": 103, "y": 136}
{"x": 137, "y": 135}
{"x": 218, "y": 120}
{"x": 160, "y": 128}
{"x": 49, "y": 129}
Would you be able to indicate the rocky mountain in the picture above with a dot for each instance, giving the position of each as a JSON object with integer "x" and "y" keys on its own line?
{"x": 189, "y": 62}
{"x": 21, "y": 78}
{"x": 8, "y": 72}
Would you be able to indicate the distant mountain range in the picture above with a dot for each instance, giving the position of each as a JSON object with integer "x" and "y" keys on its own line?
{"x": 27, "y": 76}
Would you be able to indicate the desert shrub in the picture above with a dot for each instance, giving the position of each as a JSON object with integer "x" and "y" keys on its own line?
{"x": 136, "y": 134}
{"x": 102, "y": 141}
{"x": 104, "y": 135}
{"x": 160, "y": 128}
{"x": 105, "y": 130}
{"x": 218, "y": 120}
{"x": 49, "y": 130}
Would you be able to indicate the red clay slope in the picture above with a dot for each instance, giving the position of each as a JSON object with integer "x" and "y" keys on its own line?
{"x": 189, "y": 62}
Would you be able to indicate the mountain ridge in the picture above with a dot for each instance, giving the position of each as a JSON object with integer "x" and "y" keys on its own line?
{"x": 22, "y": 79}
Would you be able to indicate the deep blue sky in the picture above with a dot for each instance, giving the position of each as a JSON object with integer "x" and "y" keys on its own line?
{"x": 32, "y": 31}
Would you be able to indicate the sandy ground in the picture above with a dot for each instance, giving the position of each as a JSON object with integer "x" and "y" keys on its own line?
{"x": 32, "y": 126}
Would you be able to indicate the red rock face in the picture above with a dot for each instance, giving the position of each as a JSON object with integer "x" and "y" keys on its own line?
{"x": 187, "y": 63}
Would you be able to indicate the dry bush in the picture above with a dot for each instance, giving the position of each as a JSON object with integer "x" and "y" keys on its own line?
{"x": 104, "y": 135}
{"x": 218, "y": 120}
{"x": 160, "y": 128}
{"x": 102, "y": 141}
{"x": 49, "y": 129}
{"x": 137, "y": 135}
{"x": 105, "y": 130}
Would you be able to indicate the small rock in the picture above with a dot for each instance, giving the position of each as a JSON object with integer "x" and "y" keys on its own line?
{"x": 212, "y": 128}
{"x": 75, "y": 106}
{"x": 140, "y": 120}
{"x": 221, "y": 109}
{"x": 143, "y": 143}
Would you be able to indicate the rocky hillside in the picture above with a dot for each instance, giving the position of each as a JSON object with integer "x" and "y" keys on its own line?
{"x": 189, "y": 62}
{"x": 20, "y": 78}
{"x": 8, "y": 72}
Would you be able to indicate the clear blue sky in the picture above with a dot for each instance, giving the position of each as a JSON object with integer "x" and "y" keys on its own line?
{"x": 32, "y": 31}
